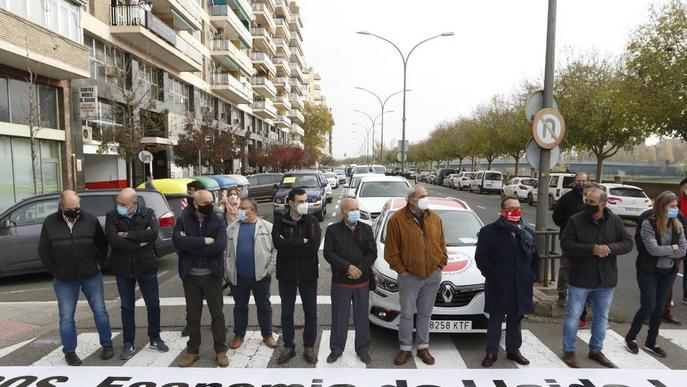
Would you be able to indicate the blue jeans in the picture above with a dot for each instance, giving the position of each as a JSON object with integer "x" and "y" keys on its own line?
{"x": 67, "y": 293}
{"x": 653, "y": 289}
{"x": 601, "y": 299}
{"x": 308, "y": 291}
{"x": 261, "y": 294}
{"x": 151, "y": 295}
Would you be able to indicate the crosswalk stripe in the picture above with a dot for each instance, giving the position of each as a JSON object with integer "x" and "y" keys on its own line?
{"x": 614, "y": 349}
{"x": 253, "y": 353}
{"x": 228, "y": 300}
{"x": 348, "y": 358}
{"x": 88, "y": 343}
{"x": 676, "y": 336}
{"x": 445, "y": 353}
{"x": 12, "y": 348}
{"x": 539, "y": 355}
{"x": 322, "y": 245}
{"x": 148, "y": 357}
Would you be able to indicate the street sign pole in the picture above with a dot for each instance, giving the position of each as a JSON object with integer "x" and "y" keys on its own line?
{"x": 545, "y": 155}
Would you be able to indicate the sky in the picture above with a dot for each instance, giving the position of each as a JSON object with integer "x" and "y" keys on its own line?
{"x": 498, "y": 44}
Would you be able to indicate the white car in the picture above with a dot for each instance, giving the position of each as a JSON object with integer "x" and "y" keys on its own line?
{"x": 355, "y": 182}
{"x": 463, "y": 179}
{"x": 626, "y": 201}
{"x": 332, "y": 179}
{"x": 559, "y": 185}
{"x": 459, "y": 303}
{"x": 486, "y": 181}
{"x": 520, "y": 187}
{"x": 375, "y": 190}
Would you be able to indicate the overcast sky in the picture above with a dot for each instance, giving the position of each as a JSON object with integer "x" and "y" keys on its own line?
{"x": 498, "y": 45}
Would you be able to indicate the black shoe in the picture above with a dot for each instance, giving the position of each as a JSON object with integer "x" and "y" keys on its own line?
{"x": 286, "y": 355}
{"x": 656, "y": 350}
{"x": 518, "y": 358}
{"x": 671, "y": 319}
{"x": 107, "y": 353}
{"x": 631, "y": 346}
{"x": 333, "y": 357}
{"x": 489, "y": 361}
{"x": 184, "y": 332}
{"x": 365, "y": 357}
{"x": 72, "y": 359}
{"x": 310, "y": 355}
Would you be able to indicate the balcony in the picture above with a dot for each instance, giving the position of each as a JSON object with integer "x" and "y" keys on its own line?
{"x": 282, "y": 121}
{"x": 297, "y": 130}
{"x": 282, "y": 66}
{"x": 264, "y": 87}
{"x": 282, "y": 47}
{"x": 265, "y": 109}
{"x": 296, "y": 71}
{"x": 264, "y": 16}
{"x": 262, "y": 41}
{"x": 282, "y": 28}
{"x": 231, "y": 88}
{"x": 282, "y": 103}
{"x": 224, "y": 17}
{"x": 296, "y": 143}
{"x": 296, "y": 117}
{"x": 297, "y": 56}
{"x": 296, "y": 101}
{"x": 55, "y": 57}
{"x": 226, "y": 53}
{"x": 184, "y": 14}
{"x": 296, "y": 85}
{"x": 282, "y": 9}
{"x": 263, "y": 61}
{"x": 145, "y": 31}
{"x": 282, "y": 84}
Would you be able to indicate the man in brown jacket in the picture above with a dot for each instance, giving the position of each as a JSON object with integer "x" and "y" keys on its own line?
{"x": 415, "y": 249}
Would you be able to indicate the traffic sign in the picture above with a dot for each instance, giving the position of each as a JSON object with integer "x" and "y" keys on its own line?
{"x": 536, "y": 103}
{"x": 401, "y": 157}
{"x": 533, "y": 151}
{"x": 403, "y": 145}
{"x": 145, "y": 156}
{"x": 548, "y": 128}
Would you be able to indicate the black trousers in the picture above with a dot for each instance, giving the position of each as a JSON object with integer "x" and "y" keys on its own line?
{"x": 197, "y": 289}
{"x": 513, "y": 333}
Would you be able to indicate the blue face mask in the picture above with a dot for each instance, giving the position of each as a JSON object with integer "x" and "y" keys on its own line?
{"x": 353, "y": 217}
{"x": 122, "y": 211}
{"x": 672, "y": 212}
{"x": 242, "y": 215}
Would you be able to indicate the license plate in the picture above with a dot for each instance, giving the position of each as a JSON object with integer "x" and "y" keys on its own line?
{"x": 449, "y": 325}
{"x": 632, "y": 209}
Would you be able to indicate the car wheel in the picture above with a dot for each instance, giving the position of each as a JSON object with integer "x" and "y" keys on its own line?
{"x": 530, "y": 199}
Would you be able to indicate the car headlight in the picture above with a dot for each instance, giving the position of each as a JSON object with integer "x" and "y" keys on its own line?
{"x": 279, "y": 200}
{"x": 364, "y": 215}
{"x": 316, "y": 204}
{"x": 385, "y": 282}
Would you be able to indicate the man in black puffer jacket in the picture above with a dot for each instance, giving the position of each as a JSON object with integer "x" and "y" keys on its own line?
{"x": 73, "y": 247}
{"x": 131, "y": 229}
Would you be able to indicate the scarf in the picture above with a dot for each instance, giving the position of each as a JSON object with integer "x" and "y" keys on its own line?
{"x": 521, "y": 233}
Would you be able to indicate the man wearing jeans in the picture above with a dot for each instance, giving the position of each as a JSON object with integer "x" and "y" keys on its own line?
{"x": 73, "y": 247}
{"x": 592, "y": 240}
{"x": 250, "y": 260}
{"x": 131, "y": 230}
{"x": 415, "y": 249}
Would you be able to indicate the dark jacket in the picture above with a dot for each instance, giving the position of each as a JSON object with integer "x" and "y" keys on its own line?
{"x": 128, "y": 257}
{"x": 509, "y": 268}
{"x": 297, "y": 260}
{"x": 192, "y": 248}
{"x": 646, "y": 262}
{"x": 72, "y": 255}
{"x": 568, "y": 205}
{"x": 580, "y": 234}
{"x": 343, "y": 248}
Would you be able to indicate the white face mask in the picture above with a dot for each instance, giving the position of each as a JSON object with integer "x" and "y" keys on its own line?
{"x": 423, "y": 204}
{"x": 302, "y": 208}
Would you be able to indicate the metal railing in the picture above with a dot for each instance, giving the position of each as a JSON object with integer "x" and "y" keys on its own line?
{"x": 550, "y": 257}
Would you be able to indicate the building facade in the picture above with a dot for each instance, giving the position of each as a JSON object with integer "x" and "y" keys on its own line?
{"x": 313, "y": 92}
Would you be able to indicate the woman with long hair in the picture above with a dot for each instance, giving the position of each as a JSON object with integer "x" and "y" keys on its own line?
{"x": 662, "y": 242}
{"x": 230, "y": 204}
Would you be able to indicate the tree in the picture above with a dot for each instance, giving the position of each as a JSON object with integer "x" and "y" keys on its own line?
{"x": 318, "y": 124}
{"x": 327, "y": 161}
{"x": 485, "y": 131}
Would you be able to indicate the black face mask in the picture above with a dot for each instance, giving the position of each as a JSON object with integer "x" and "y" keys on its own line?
{"x": 72, "y": 214}
{"x": 591, "y": 209}
{"x": 206, "y": 209}
{"x": 578, "y": 187}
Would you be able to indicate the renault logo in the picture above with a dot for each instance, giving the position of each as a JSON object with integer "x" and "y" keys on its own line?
{"x": 447, "y": 293}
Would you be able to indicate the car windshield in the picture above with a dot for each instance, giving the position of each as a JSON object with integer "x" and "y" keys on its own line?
{"x": 330, "y": 174}
{"x": 460, "y": 227}
{"x": 380, "y": 170}
{"x": 299, "y": 181}
{"x": 627, "y": 192}
{"x": 492, "y": 176}
{"x": 383, "y": 189}
{"x": 363, "y": 170}
{"x": 339, "y": 172}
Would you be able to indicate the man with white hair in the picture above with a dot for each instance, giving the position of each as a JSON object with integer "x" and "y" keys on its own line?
{"x": 131, "y": 230}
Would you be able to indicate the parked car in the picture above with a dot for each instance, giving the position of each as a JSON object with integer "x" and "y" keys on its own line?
{"x": 328, "y": 191}
{"x": 520, "y": 187}
{"x": 448, "y": 181}
{"x": 341, "y": 175}
{"x": 375, "y": 190}
{"x": 423, "y": 176}
{"x": 314, "y": 185}
{"x": 21, "y": 224}
{"x": 442, "y": 173}
{"x": 355, "y": 182}
{"x": 462, "y": 180}
{"x": 459, "y": 303}
{"x": 371, "y": 169}
{"x": 261, "y": 186}
{"x": 533, "y": 195}
{"x": 332, "y": 179}
{"x": 487, "y": 181}
{"x": 626, "y": 201}
{"x": 432, "y": 178}
{"x": 559, "y": 184}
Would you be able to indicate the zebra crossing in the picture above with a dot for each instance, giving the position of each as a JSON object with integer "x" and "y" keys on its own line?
{"x": 448, "y": 351}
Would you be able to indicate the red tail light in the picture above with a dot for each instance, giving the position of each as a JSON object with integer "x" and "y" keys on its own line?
{"x": 614, "y": 200}
{"x": 167, "y": 220}
{"x": 558, "y": 192}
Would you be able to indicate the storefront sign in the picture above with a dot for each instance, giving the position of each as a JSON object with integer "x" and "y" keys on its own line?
{"x": 88, "y": 102}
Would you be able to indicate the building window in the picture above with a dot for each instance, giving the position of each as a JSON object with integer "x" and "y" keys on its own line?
{"x": 19, "y": 102}
{"x": 179, "y": 93}
{"x": 108, "y": 64}
{"x": 15, "y": 106}
{"x": 60, "y": 16}
{"x": 150, "y": 76}
{"x": 4, "y": 101}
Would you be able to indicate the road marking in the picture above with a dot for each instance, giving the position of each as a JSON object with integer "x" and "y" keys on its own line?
{"x": 614, "y": 349}
{"x": 680, "y": 274}
{"x": 228, "y": 300}
{"x": 253, "y": 353}
{"x": 148, "y": 357}
{"x": 676, "y": 336}
{"x": 531, "y": 224}
{"x": 480, "y": 207}
{"x": 12, "y": 348}
{"x": 88, "y": 344}
{"x": 348, "y": 358}
{"x": 445, "y": 352}
{"x": 539, "y": 355}
{"x": 336, "y": 206}
{"x": 322, "y": 245}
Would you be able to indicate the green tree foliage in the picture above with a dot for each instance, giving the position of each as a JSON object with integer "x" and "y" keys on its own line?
{"x": 318, "y": 123}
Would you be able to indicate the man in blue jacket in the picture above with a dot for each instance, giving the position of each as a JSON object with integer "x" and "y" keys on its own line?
{"x": 200, "y": 238}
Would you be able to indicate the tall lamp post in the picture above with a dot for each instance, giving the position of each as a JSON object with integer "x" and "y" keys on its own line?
{"x": 367, "y": 136}
{"x": 382, "y": 104}
{"x": 405, "y": 68}
{"x": 373, "y": 121}
{"x": 363, "y": 138}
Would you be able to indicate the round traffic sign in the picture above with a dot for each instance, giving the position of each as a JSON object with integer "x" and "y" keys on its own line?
{"x": 536, "y": 103}
{"x": 548, "y": 128}
{"x": 401, "y": 157}
{"x": 145, "y": 156}
{"x": 533, "y": 151}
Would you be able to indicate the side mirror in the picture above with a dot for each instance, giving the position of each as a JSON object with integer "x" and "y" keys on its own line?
{"x": 346, "y": 186}
{"x": 324, "y": 184}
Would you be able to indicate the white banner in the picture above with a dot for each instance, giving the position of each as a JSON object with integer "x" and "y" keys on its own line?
{"x": 313, "y": 377}
{"x": 88, "y": 102}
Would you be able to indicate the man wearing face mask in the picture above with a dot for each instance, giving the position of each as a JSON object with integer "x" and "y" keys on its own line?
{"x": 200, "y": 237}
{"x": 350, "y": 249}
{"x": 507, "y": 256}
{"x": 250, "y": 260}
{"x": 415, "y": 249}
{"x": 73, "y": 248}
{"x": 592, "y": 240}
{"x": 131, "y": 230}
{"x": 297, "y": 237}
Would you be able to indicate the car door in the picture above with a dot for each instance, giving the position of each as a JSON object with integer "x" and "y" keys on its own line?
{"x": 253, "y": 190}
{"x": 20, "y": 233}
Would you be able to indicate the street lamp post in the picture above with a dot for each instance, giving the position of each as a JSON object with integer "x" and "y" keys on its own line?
{"x": 364, "y": 141}
{"x": 373, "y": 121}
{"x": 367, "y": 137}
{"x": 405, "y": 68}
{"x": 382, "y": 104}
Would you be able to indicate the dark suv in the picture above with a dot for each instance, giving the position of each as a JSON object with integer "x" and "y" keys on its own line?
{"x": 314, "y": 185}
{"x": 20, "y": 225}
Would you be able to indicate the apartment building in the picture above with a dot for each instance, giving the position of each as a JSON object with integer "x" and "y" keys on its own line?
{"x": 313, "y": 92}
